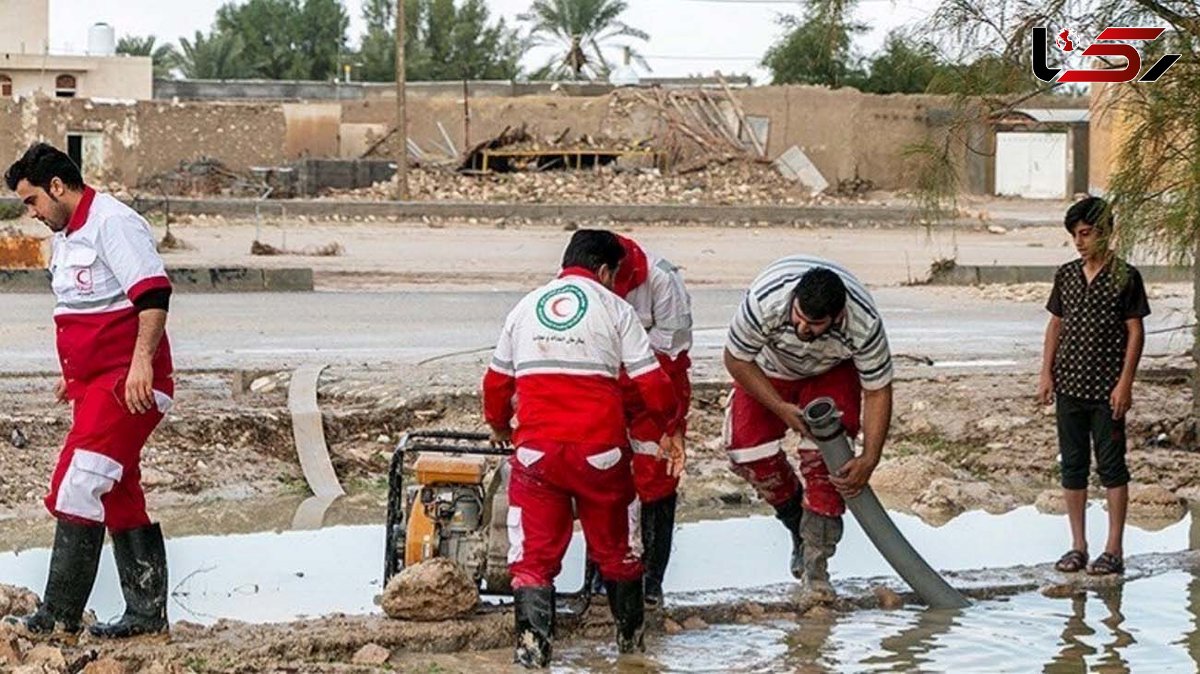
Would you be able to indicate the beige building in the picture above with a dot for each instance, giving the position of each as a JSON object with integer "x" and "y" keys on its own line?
{"x": 27, "y": 67}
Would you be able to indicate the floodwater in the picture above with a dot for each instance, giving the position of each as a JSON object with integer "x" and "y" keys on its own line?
{"x": 285, "y": 575}
{"x": 1147, "y": 625}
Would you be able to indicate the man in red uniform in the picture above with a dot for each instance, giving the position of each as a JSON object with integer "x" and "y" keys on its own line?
{"x": 112, "y": 297}
{"x": 655, "y": 289}
{"x": 553, "y": 390}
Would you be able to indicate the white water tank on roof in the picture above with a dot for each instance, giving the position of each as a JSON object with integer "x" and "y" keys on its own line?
{"x": 102, "y": 40}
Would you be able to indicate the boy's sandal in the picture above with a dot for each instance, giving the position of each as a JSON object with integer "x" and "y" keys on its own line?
{"x": 1106, "y": 565}
{"x": 1072, "y": 561}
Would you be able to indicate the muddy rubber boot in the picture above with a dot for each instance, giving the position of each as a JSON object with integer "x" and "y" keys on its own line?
{"x": 73, "y": 564}
{"x": 627, "y": 604}
{"x": 790, "y": 513}
{"x": 658, "y": 530}
{"x": 534, "y": 611}
{"x": 821, "y": 537}
{"x": 142, "y": 565}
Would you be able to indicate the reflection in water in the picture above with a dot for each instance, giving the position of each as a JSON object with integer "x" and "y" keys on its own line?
{"x": 1148, "y": 625}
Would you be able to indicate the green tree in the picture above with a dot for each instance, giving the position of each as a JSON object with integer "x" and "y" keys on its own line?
{"x": 288, "y": 39}
{"x": 446, "y": 40}
{"x": 164, "y": 56}
{"x": 580, "y": 30}
{"x": 818, "y": 47}
{"x": 902, "y": 67}
{"x": 216, "y": 56}
{"x": 1155, "y": 187}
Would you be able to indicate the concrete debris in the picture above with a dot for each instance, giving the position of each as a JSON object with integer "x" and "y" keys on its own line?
{"x": 728, "y": 184}
{"x": 17, "y": 601}
{"x": 795, "y": 165}
{"x": 945, "y": 499}
{"x": 436, "y": 589}
{"x": 888, "y": 599}
{"x": 105, "y": 666}
{"x": 1154, "y": 502}
{"x": 46, "y": 655}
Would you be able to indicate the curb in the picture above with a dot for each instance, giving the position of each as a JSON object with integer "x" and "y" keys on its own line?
{"x": 186, "y": 279}
{"x": 970, "y": 275}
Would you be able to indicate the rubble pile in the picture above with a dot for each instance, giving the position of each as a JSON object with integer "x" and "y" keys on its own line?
{"x": 734, "y": 183}
{"x": 204, "y": 177}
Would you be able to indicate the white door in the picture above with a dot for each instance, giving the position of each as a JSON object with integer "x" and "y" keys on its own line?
{"x": 1032, "y": 165}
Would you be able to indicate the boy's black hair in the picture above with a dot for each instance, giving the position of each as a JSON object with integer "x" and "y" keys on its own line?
{"x": 1094, "y": 211}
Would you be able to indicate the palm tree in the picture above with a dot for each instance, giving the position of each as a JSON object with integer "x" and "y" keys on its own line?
{"x": 579, "y": 29}
{"x": 164, "y": 56}
{"x": 217, "y": 56}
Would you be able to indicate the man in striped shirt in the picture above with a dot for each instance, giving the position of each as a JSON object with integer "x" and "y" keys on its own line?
{"x": 807, "y": 328}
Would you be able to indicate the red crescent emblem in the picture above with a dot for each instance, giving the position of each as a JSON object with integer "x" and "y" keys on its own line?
{"x": 554, "y": 306}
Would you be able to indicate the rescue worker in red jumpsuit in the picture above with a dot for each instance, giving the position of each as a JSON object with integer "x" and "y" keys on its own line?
{"x": 806, "y": 328}
{"x": 112, "y": 297}
{"x": 553, "y": 391}
{"x": 655, "y": 289}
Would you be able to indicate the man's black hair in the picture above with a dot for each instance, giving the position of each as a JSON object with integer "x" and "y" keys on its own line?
{"x": 1092, "y": 210}
{"x": 820, "y": 293}
{"x": 42, "y": 163}
{"x": 593, "y": 249}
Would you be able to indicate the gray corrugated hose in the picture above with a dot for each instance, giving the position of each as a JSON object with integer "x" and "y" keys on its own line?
{"x": 825, "y": 422}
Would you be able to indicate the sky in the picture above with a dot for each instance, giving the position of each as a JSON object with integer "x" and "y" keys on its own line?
{"x": 687, "y": 37}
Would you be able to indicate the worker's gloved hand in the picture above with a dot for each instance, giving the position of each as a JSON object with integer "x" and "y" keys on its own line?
{"x": 501, "y": 437}
{"x": 853, "y": 477}
{"x": 671, "y": 449}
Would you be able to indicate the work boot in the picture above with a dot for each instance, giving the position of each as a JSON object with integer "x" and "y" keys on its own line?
{"x": 790, "y": 513}
{"x": 73, "y": 564}
{"x": 142, "y": 566}
{"x": 658, "y": 529}
{"x": 821, "y": 536}
{"x": 534, "y": 611}
{"x": 626, "y": 602}
{"x": 592, "y": 578}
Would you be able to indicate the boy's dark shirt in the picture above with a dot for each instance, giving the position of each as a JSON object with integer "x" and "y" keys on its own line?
{"x": 1091, "y": 347}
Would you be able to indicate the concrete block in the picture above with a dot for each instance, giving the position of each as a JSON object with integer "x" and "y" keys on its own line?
{"x": 237, "y": 279}
{"x": 187, "y": 279}
{"x": 796, "y": 165}
{"x": 288, "y": 280}
{"x": 24, "y": 280}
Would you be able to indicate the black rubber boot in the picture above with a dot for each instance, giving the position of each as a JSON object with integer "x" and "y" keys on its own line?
{"x": 591, "y": 576}
{"x": 626, "y": 602}
{"x": 658, "y": 530}
{"x": 534, "y": 611}
{"x": 142, "y": 565}
{"x": 73, "y": 564}
{"x": 790, "y": 513}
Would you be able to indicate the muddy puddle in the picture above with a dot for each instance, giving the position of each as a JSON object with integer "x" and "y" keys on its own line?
{"x": 286, "y": 574}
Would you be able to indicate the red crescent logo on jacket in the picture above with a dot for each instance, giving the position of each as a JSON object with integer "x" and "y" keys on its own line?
{"x": 83, "y": 281}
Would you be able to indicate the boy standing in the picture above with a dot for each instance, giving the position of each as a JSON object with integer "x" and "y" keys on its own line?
{"x": 1093, "y": 344}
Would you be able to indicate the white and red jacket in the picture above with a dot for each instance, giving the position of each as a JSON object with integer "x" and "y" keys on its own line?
{"x": 557, "y": 365}
{"x": 102, "y": 262}
{"x": 655, "y": 288}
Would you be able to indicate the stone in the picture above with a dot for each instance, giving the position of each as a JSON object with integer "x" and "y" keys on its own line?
{"x": 919, "y": 424}
{"x": 1060, "y": 591}
{"x": 997, "y": 229}
{"x": 152, "y": 477}
{"x": 887, "y": 598}
{"x": 946, "y": 498}
{"x": 436, "y": 589}
{"x": 372, "y": 654}
{"x": 10, "y": 649}
{"x": 672, "y": 627}
{"x": 44, "y": 654}
{"x": 105, "y": 666}
{"x": 1000, "y": 424}
{"x": 17, "y": 600}
{"x": 263, "y": 385}
{"x": 908, "y": 474}
{"x": 1051, "y": 502}
{"x": 695, "y": 623}
{"x": 1152, "y": 501}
